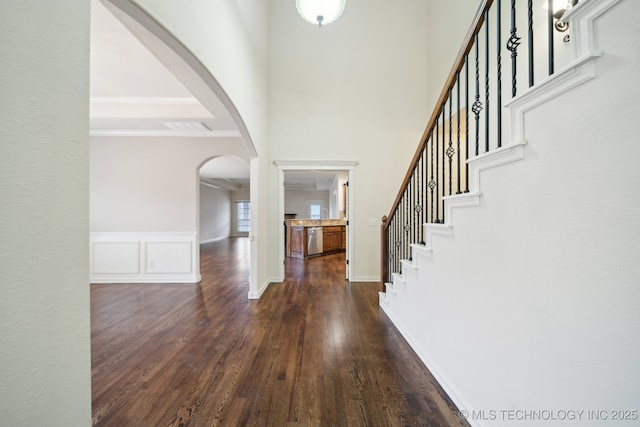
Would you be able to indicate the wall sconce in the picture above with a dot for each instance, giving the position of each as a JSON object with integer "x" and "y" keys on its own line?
{"x": 559, "y": 11}
{"x": 321, "y": 12}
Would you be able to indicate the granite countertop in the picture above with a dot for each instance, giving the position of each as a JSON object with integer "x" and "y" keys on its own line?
{"x": 314, "y": 222}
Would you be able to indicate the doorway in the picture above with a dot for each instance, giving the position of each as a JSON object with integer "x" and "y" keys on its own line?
{"x": 334, "y": 209}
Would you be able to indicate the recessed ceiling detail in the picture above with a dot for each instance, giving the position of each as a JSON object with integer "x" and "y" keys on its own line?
{"x": 187, "y": 126}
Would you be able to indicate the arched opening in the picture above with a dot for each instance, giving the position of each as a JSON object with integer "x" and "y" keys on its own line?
{"x": 233, "y": 140}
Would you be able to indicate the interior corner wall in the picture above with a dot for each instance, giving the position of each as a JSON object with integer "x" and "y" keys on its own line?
{"x": 215, "y": 214}
{"x": 354, "y": 90}
{"x": 45, "y": 358}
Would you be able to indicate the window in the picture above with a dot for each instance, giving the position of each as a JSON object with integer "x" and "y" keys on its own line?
{"x": 244, "y": 217}
{"x": 314, "y": 210}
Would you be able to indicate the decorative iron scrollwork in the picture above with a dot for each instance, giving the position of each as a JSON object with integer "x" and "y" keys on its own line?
{"x": 432, "y": 184}
{"x": 513, "y": 43}
{"x": 476, "y": 107}
{"x": 418, "y": 208}
{"x": 450, "y": 152}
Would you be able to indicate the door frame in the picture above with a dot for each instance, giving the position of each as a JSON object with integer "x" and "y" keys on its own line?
{"x": 310, "y": 165}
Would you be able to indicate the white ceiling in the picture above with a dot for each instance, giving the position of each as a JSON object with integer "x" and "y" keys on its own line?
{"x": 133, "y": 94}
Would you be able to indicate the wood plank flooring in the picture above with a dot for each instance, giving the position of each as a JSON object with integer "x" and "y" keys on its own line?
{"x": 313, "y": 351}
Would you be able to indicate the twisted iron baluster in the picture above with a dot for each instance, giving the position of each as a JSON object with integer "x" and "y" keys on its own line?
{"x": 512, "y": 46}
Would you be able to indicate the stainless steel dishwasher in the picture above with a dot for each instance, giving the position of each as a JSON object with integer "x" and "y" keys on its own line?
{"x": 314, "y": 241}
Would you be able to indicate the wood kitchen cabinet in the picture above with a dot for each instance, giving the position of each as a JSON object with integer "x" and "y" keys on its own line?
{"x": 332, "y": 238}
{"x": 297, "y": 242}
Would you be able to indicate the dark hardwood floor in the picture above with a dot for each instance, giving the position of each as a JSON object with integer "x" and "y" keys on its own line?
{"x": 313, "y": 351}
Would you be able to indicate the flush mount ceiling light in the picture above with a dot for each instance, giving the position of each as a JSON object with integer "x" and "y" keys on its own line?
{"x": 321, "y": 12}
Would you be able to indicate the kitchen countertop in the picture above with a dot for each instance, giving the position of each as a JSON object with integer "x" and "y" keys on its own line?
{"x": 314, "y": 222}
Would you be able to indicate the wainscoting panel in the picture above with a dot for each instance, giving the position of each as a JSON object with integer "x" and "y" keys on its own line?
{"x": 145, "y": 258}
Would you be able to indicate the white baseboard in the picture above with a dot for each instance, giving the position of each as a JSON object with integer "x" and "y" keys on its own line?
{"x": 362, "y": 279}
{"x": 257, "y": 294}
{"x": 450, "y": 389}
{"x": 144, "y": 258}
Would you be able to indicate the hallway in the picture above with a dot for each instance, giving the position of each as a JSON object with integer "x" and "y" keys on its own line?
{"x": 313, "y": 351}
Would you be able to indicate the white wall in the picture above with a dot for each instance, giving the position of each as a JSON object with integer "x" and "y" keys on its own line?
{"x": 44, "y": 308}
{"x": 215, "y": 213}
{"x": 533, "y": 302}
{"x": 355, "y": 90}
{"x": 297, "y": 202}
{"x": 147, "y": 184}
{"x": 229, "y": 38}
{"x": 446, "y": 26}
{"x": 145, "y": 214}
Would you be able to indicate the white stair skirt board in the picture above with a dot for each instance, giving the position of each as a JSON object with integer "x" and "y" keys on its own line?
{"x": 144, "y": 258}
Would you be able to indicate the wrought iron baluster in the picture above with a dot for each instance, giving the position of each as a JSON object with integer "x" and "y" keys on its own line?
{"x": 423, "y": 191}
{"x": 477, "y": 105}
{"x": 432, "y": 183}
{"x": 450, "y": 151}
{"x": 444, "y": 155}
{"x": 466, "y": 121}
{"x": 486, "y": 81}
{"x": 458, "y": 132}
{"x": 499, "y": 72}
{"x": 437, "y": 160}
{"x": 550, "y": 31}
{"x": 530, "y": 39}
{"x": 512, "y": 46}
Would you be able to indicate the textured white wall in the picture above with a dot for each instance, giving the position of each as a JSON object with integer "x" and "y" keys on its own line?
{"x": 354, "y": 90}
{"x": 215, "y": 213}
{"x": 44, "y": 304}
{"x": 533, "y": 303}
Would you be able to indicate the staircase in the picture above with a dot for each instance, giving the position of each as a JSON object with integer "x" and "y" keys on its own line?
{"x": 480, "y": 265}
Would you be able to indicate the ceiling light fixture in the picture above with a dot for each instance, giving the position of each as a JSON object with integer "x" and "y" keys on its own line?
{"x": 321, "y": 12}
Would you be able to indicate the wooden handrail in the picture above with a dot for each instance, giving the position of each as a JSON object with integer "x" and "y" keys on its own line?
{"x": 478, "y": 20}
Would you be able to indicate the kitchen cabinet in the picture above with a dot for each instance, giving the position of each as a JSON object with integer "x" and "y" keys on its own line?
{"x": 332, "y": 238}
{"x": 298, "y": 242}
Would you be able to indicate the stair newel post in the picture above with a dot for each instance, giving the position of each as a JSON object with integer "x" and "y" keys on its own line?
{"x": 384, "y": 252}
